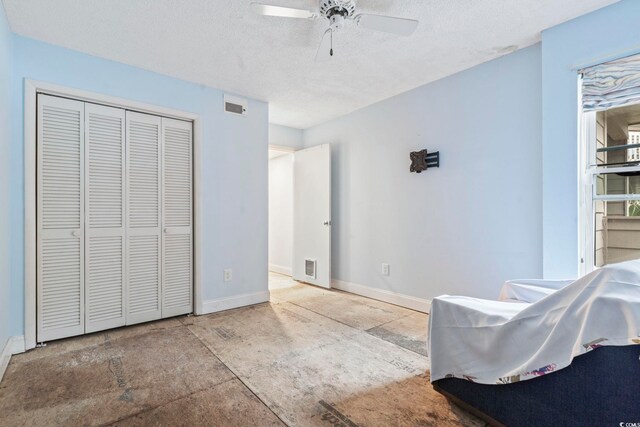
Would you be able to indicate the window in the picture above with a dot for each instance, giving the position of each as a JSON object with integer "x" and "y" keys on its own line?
{"x": 611, "y": 186}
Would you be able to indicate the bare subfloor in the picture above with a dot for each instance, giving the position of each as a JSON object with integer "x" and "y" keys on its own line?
{"x": 311, "y": 357}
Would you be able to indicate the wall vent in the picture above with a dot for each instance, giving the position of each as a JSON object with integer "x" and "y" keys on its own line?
{"x": 310, "y": 268}
{"x": 235, "y": 105}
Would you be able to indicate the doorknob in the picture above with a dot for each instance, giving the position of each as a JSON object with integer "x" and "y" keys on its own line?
{"x": 327, "y": 223}
{"x": 75, "y": 233}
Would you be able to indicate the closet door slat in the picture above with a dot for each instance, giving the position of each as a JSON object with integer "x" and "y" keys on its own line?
{"x": 144, "y": 296}
{"x": 105, "y": 280}
{"x": 60, "y": 218}
{"x": 177, "y": 256}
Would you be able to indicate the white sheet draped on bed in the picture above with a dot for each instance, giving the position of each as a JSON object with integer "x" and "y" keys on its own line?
{"x": 538, "y": 326}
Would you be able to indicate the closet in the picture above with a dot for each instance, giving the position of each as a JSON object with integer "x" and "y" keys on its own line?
{"x": 114, "y": 217}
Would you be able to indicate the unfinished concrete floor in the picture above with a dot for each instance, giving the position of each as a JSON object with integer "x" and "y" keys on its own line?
{"x": 311, "y": 357}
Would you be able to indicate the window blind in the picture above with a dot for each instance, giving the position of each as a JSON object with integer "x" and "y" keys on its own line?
{"x": 611, "y": 84}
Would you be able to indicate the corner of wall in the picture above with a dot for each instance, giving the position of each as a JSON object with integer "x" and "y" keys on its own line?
{"x": 13, "y": 345}
{"x": 6, "y": 122}
{"x": 285, "y": 136}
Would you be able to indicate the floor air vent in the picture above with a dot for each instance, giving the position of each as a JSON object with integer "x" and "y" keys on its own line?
{"x": 310, "y": 268}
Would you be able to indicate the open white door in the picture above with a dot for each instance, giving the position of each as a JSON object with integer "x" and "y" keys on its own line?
{"x": 312, "y": 215}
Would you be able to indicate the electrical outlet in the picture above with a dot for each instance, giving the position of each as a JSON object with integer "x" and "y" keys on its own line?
{"x": 385, "y": 269}
{"x": 228, "y": 275}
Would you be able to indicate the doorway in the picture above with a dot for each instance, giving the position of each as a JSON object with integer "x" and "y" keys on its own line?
{"x": 281, "y": 210}
{"x": 300, "y": 216}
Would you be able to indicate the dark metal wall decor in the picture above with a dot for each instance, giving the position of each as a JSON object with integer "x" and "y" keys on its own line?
{"x": 423, "y": 160}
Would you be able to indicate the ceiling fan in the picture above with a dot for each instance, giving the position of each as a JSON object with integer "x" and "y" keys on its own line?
{"x": 338, "y": 12}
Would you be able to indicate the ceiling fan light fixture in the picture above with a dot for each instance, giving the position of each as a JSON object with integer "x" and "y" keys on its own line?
{"x": 336, "y": 22}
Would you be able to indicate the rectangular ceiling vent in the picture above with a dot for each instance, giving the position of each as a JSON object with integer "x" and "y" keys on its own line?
{"x": 235, "y": 105}
{"x": 310, "y": 268}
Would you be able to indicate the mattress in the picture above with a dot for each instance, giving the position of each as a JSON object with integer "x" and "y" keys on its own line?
{"x": 599, "y": 388}
{"x": 533, "y": 332}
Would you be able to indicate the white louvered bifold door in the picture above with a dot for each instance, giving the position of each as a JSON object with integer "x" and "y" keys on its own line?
{"x": 177, "y": 264}
{"x": 60, "y": 218}
{"x": 105, "y": 216}
{"x": 144, "y": 296}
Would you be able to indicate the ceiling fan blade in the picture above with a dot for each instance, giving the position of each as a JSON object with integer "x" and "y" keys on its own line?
{"x": 325, "y": 50}
{"x": 387, "y": 24}
{"x": 285, "y": 12}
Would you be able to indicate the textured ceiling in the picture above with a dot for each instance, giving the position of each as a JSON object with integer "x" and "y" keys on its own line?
{"x": 221, "y": 43}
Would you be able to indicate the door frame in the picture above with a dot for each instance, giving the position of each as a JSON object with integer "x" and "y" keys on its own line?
{"x": 282, "y": 149}
{"x": 31, "y": 89}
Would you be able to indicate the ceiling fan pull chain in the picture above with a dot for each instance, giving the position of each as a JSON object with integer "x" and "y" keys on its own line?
{"x": 331, "y": 50}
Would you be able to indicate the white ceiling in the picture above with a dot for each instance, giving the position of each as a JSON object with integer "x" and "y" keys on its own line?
{"x": 221, "y": 43}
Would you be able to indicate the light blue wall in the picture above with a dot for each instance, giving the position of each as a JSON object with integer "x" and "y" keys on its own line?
{"x": 233, "y": 162}
{"x": 597, "y": 37}
{"x": 463, "y": 228}
{"x": 5, "y": 137}
{"x": 285, "y": 136}
{"x": 503, "y": 204}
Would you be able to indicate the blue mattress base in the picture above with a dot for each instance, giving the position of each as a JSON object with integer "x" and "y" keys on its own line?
{"x": 600, "y": 388}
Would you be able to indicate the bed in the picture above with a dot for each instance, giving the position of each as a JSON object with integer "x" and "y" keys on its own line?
{"x": 547, "y": 352}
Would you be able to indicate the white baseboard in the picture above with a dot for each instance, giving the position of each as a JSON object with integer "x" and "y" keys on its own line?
{"x": 281, "y": 269}
{"x": 5, "y": 356}
{"x": 414, "y": 303}
{"x": 14, "y": 345}
{"x": 221, "y": 304}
